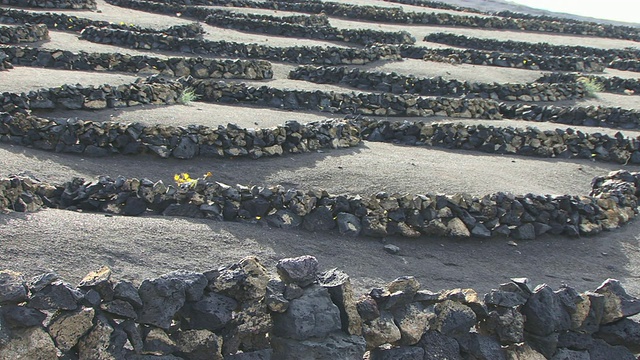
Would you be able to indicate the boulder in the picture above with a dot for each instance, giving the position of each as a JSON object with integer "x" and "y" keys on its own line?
{"x": 199, "y": 345}
{"x": 545, "y": 313}
{"x": 16, "y": 316}
{"x": 437, "y": 346}
{"x": 348, "y": 224}
{"x": 453, "y": 318}
{"x": 381, "y": 330}
{"x": 397, "y": 353}
{"x": 161, "y": 299}
{"x": 57, "y": 295}
{"x": 243, "y": 281}
{"x": 212, "y": 313}
{"x": 625, "y": 332}
{"x": 413, "y": 321}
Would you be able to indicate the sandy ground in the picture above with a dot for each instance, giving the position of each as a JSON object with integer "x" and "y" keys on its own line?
{"x": 74, "y": 243}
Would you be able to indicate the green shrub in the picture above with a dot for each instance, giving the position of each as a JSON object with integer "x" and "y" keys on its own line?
{"x": 591, "y": 86}
{"x": 187, "y": 96}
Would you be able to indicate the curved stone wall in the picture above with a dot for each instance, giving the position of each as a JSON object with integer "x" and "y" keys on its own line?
{"x": 243, "y": 311}
{"x": 504, "y": 59}
{"x": 52, "y": 4}
{"x": 196, "y": 67}
{"x": 396, "y": 15}
{"x": 626, "y": 65}
{"x": 611, "y": 84}
{"x": 401, "y": 84}
{"x": 525, "y": 47}
{"x": 23, "y": 34}
{"x": 295, "y": 54}
{"x": 599, "y": 116}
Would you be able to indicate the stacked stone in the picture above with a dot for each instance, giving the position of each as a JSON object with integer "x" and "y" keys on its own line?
{"x": 626, "y": 64}
{"x": 143, "y": 64}
{"x": 297, "y": 26}
{"x": 240, "y": 312}
{"x": 397, "y": 15}
{"x": 23, "y": 34}
{"x": 5, "y": 64}
{"x": 403, "y": 84}
{"x": 64, "y": 22}
{"x": 612, "y": 203}
{"x": 53, "y": 4}
{"x": 505, "y": 59}
{"x": 437, "y": 5}
{"x": 153, "y": 90}
{"x": 103, "y": 139}
{"x": 295, "y": 54}
{"x": 611, "y": 84}
{"x": 526, "y": 47}
{"x": 599, "y": 116}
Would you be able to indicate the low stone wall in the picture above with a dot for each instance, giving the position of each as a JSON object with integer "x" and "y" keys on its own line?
{"x": 437, "y": 5}
{"x": 103, "y": 139}
{"x": 241, "y": 311}
{"x": 64, "y": 22}
{"x": 52, "y": 4}
{"x": 526, "y": 47}
{"x": 273, "y": 25}
{"x": 599, "y": 116}
{"x": 23, "y": 34}
{"x": 611, "y": 84}
{"x": 626, "y": 65}
{"x": 396, "y": 15}
{"x": 196, "y": 67}
{"x": 385, "y": 104}
{"x": 295, "y": 54}
{"x": 502, "y": 59}
{"x": 612, "y": 202}
{"x": 402, "y": 84}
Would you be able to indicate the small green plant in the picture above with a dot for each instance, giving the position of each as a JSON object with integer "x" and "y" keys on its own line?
{"x": 187, "y": 96}
{"x": 591, "y": 86}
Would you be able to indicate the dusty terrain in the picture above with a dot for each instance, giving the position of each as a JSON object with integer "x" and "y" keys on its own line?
{"x": 74, "y": 243}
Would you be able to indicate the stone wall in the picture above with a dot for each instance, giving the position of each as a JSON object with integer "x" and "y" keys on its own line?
{"x": 611, "y": 84}
{"x": 295, "y": 54}
{"x": 599, "y": 116}
{"x": 273, "y": 25}
{"x": 526, "y": 47}
{"x": 402, "y": 84}
{"x": 396, "y": 15}
{"x": 612, "y": 202}
{"x": 626, "y": 65}
{"x": 23, "y": 34}
{"x": 52, "y": 4}
{"x": 243, "y": 311}
{"x": 64, "y": 22}
{"x": 504, "y": 59}
{"x": 196, "y": 67}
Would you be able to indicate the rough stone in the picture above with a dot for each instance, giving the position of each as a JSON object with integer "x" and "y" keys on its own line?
{"x": 13, "y": 288}
{"x": 348, "y": 224}
{"x": 29, "y": 344}
{"x": 457, "y": 228}
{"x": 336, "y": 346}
{"x": 398, "y": 353}
{"x": 57, "y": 295}
{"x": 301, "y": 270}
{"x": 545, "y": 312}
{"x": 381, "y": 330}
{"x": 617, "y": 303}
{"x": 161, "y": 299}
{"x": 342, "y": 295}
{"x": 453, "y": 318}
{"x": 15, "y": 316}
{"x": 312, "y": 315}
{"x": 625, "y": 332}
{"x": 212, "y": 313}
{"x": 437, "y": 346}
{"x": 413, "y": 321}
{"x": 68, "y": 327}
{"x": 199, "y": 345}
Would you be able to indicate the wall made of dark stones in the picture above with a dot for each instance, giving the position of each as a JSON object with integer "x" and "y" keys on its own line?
{"x": 64, "y": 22}
{"x": 52, "y": 4}
{"x": 501, "y": 59}
{"x": 244, "y": 311}
{"x": 611, "y": 84}
{"x": 23, "y": 34}
{"x": 296, "y": 26}
{"x": 396, "y": 15}
{"x": 626, "y": 65}
{"x": 295, "y": 54}
{"x": 196, "y": 67}
{"x": 402, "y": 84}
{"x": 599, "y": 116}
{"x": 525, "y": 47}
